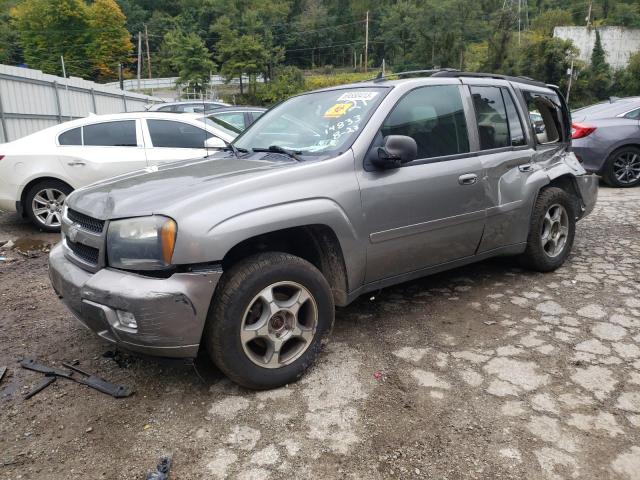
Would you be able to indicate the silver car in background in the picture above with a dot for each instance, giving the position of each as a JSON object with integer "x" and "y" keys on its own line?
{"x": 606, "y": 137}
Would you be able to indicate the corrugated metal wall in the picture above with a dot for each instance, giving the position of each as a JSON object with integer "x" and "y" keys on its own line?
{"x": 31, "y": 100}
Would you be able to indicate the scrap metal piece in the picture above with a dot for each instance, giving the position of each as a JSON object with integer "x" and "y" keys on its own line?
{"x": 2, "y": 372}
{"x": 116, "y": 391}
{"x": 31, "y": 364}
{"x": 162, "y": 470}
{"x": 41, "y": 386}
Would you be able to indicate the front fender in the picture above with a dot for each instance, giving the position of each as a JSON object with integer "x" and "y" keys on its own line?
{"x": 222, "y": 237}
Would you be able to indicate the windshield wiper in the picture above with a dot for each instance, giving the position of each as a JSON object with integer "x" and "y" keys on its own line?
{"x": 233, "y": 149}
{"x": 279, "y": 149}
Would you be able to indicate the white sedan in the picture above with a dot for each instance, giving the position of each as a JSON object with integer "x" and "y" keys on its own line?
{"x": 37, "y": 172}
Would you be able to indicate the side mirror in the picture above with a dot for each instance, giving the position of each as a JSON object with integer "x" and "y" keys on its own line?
{"x": 396, "y": 151}
{"x": 214, "y": 142}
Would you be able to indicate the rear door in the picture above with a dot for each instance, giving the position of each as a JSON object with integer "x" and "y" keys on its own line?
{"x": 430, "y": 211}
{"x": 170, "y": 140}
{"x": 101, "y": 150}
{"x": 505, "y": 154}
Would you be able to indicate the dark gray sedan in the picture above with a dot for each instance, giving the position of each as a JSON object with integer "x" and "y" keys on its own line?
{"x": 606, "y": 137}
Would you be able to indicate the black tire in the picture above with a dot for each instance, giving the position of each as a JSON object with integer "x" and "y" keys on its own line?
{"x": 535, "y": 257}
{"x": 608, "y": 173}
{"x": 237, "y": 291}
{"x": 51, "y": 184}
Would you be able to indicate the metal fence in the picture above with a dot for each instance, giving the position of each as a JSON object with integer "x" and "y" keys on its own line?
{"x": 170, "y": 82}
{"x": 31, "y": 100}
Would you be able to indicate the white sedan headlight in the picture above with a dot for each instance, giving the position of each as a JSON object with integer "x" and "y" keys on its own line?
{"x": 143, "y": 243}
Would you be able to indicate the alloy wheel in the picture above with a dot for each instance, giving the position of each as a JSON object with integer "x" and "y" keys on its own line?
{"x": 279, "y": 325}
{"x": 626, "y": 168}
{"x": 47, "y": 206}
{"x": 555, "y": 230}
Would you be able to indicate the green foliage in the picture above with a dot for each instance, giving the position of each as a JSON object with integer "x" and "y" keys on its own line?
{"x": 599, "y": 72}
{"x": 286, "y": 81}
{"x": 186, "y": 55}
{"x": 9, "y": 49}
{"x": 110, "y": 44}
{"x": 547, "y": 21}
{"x": 625, "y": 15}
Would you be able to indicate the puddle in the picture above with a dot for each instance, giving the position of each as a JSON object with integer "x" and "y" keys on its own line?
{"x": 28, "y": 246}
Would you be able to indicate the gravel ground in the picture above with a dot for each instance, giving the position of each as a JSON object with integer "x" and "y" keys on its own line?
{"x": 486, "y": 371}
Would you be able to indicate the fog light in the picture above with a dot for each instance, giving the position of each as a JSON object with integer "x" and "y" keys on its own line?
{"x": 127, "y": 319}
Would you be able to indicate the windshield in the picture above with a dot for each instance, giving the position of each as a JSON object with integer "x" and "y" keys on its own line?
{"x": 316, "y": 123}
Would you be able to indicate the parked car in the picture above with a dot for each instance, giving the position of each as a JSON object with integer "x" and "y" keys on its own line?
{"x": 330, "y": 195}
{"x": 38, "y": 171}
{"x": 606, "y": 137}
{"x": 195, "y": 106}
{"x": 238, "y": 117}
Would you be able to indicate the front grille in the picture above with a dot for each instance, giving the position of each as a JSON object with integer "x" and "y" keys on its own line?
{"x": 85, "y": 252}
{"x": 85, "y": 221}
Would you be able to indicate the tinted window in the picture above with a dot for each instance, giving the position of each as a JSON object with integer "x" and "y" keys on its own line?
{"x": 516, "y": 131}
{"x": 169, "y": 134}
{"x": 434, "y": 118}
{"x": 232, "y": 118}
{"x": 168, "y": 108}
{"x": 491, "y": 117}
{"x": 111, "y": 134}
{"x": 72, "y": 137}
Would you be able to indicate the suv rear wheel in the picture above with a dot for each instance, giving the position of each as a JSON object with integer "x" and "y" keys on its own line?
{"x": 268, "y": 318}
{"x": 551, "y": 232}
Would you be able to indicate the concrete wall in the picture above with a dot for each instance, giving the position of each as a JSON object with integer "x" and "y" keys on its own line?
{"x": 31, "y": 100}
{"x": 618, "y": 42}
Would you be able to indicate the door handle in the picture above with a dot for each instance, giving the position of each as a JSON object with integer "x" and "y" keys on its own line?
{"x": 75, "y": 164}
{"x": 468, "y": 179}
{"x": 526, "y": 167}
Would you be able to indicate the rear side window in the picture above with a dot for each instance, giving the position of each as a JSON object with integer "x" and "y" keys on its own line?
{"x": 168, "y": 108}
{"x": 634, "y": 115}
{"x": 491, "y": 115}
{"x": 170, "y": 134}
{"x": 516, "y": 131}
{"x": 434, "y": 117}
{"x": 232, "y": 118}
{"x": 111, "y": 134}
{"x": 71, "y": 137}
{"x": 545, "y": 115}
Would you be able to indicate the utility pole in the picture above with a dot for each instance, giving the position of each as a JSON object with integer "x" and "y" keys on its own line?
{"x": 589, "y": 13}
{"x": 570, "y": 81}
{"x": 519, "y": 21}
{"x": 146, "y": 41}
{"x": 66, "y": 85}
{"x": 139, "y": 57}
{"x": 366, "y": 42}
{"x": 120, "y": 76}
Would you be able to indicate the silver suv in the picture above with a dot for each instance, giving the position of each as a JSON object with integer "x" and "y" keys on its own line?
{"x": 329, "y": 195}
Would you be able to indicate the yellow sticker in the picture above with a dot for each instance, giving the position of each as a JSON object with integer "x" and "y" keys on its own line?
{"x": 338, "y": 110}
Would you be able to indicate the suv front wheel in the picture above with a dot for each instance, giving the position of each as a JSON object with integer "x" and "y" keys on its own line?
{"x": 268, "y": 318}
{"x": 551, "y": 231}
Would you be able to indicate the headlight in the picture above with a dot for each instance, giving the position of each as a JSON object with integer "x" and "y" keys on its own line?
{"x": 144, "y": 243}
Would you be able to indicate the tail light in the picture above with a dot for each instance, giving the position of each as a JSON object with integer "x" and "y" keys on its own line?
{"x": 1, "y": 157}
{"x": 581, "y": 130}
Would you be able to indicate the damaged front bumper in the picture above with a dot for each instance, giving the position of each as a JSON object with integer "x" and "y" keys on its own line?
{"x": 169, "y": 313}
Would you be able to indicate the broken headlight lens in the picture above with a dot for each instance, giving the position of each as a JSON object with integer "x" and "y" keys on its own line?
{"x": 144, "y": 243}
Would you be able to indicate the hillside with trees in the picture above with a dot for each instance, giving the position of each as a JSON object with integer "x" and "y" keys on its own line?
{"x": 281, "y": 39}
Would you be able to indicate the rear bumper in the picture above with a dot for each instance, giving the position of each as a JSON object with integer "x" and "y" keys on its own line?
{"x": 591, "y": 155}
{"x": 588, "y": 187}
{"x": 170, "y": 312}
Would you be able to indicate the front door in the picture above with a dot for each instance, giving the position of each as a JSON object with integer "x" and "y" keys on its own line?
{"x": 430, "y": 211}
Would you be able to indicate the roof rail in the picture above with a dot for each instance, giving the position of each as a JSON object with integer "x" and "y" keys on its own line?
{"x": 382, "y": 77}
{"x": 458, "y": 73}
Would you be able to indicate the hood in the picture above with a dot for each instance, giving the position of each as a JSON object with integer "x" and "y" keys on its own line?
{"x": 160, "y": 190}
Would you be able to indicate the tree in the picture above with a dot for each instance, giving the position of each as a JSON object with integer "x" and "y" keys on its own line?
{"x": 110, "y": 44}
{"x": 599, "y": 72}
{"x": 9, "y": 50}
{"x": 48, "y": 29}
{"x": 625, "y": 15}
{"x": 398, "y": 32}
{"x": 186, "y": 55}
{"x": 547, "y": 21}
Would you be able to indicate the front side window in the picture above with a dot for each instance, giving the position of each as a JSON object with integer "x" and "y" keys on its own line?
{"x": 71, "y": 137}
{"x": 170, "y": 134}
{"x": 434, "y": 117}
{"x": 491, "y": 116}
{"x": 111, "y": 134}
{"x": 315, "y": 124}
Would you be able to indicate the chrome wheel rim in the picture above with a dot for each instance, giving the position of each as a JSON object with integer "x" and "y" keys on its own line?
{"x": 555, "y": 230}
{"x": 279, "y": 325}
{"x": 47, "y": 206}
{"x": 626, "y": 168}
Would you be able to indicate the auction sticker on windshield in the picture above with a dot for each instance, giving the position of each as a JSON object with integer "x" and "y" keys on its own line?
{"x": 355, "y": 96}
{"x": 338, "y": 110}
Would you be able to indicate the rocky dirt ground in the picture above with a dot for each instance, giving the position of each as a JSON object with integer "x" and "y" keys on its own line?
{"x": 484, "y": 372}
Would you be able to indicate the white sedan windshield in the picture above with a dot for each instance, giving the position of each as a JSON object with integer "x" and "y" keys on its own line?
{"x": 314, "y": 124}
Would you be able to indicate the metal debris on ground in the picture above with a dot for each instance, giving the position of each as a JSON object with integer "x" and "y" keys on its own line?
{"x": 162, "y": 469}
{"x": 3, "y": 370}
{"x": 116, "y": 391}
{"x": 41, "y": 386}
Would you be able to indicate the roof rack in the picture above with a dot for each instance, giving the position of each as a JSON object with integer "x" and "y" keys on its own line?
{"x": 457, "y": 73}
{"x": 381, "y": 77}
